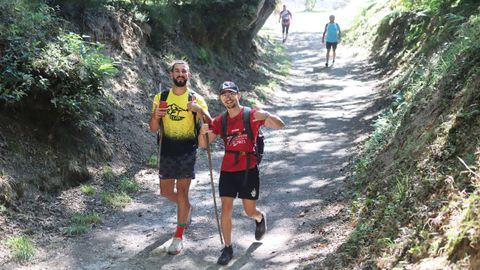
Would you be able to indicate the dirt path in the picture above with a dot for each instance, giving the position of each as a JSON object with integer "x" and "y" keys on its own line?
{"x": 327, "y": 112}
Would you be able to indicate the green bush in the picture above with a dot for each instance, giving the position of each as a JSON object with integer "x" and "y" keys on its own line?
{"x": 40, "y": 63}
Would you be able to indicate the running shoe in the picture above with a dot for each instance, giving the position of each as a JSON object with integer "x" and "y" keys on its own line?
{"x": 227, "y": 255}
{"x": 176, "y": 246}
{"x": 261, "y": 227}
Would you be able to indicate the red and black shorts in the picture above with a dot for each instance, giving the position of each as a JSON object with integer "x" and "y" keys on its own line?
{"x": 233, "y": 184}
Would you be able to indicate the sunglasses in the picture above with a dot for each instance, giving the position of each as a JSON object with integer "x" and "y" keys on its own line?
{"x": 229, "y": 94}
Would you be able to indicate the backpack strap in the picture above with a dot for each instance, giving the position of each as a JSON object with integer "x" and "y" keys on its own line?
{"x": 163, "y": 97}
{"x": 224, "y": 125}
{"x": 246, "y": 123}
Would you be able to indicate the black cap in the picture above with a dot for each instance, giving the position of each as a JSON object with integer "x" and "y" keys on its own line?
{"x": 228, "y": 85}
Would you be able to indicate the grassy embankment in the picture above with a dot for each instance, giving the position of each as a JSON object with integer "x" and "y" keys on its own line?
{"x": 417, "y": 183}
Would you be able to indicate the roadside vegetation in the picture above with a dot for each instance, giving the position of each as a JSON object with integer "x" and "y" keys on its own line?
{"x": 416, "y": 184}
{"x": 47, "y": 67}
{"x": 21, "y": 247}
{"x": 81, "y": 223}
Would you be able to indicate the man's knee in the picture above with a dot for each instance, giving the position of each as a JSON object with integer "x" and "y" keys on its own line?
{"x": 183, "y": 189}
{"x": 227, "y": 211}
{"x": 166, "y": 193}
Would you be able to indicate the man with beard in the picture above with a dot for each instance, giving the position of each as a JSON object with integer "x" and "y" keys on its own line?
{"x": 239, "y": 174}
{"x": 176, "y": 119}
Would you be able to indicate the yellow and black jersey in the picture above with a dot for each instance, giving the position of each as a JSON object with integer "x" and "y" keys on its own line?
{"x": 179, "y": 124}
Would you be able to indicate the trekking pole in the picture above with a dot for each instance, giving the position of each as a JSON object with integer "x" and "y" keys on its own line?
{"x": 209, "y": 154}
{"x": 159, "y": 136}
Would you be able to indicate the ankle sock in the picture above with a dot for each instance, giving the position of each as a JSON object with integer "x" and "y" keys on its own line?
{"x": 180, "y": 229}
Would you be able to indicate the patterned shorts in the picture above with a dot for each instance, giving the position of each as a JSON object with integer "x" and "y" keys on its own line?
{"x": 178, "y": 167}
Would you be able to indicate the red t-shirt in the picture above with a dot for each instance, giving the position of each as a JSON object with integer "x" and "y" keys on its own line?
{"x": 237, "y": 140}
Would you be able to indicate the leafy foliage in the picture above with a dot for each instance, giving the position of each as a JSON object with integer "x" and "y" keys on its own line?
{"x": 42, "y": 63}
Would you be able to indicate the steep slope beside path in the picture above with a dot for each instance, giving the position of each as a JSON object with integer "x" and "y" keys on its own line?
{"x": 327, "y": 111}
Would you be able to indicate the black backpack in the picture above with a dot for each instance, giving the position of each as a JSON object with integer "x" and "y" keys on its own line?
{"x": 260, "y": 141}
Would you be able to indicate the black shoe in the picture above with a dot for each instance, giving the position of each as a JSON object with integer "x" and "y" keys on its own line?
{"x": 261, "y": 227}
{"x": 227, "y": 255}
{"x": 326, "y": 64}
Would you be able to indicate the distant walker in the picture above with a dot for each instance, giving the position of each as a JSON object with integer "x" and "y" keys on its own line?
{"x": 333, "y": 33}
{"x": 285, "y": 17}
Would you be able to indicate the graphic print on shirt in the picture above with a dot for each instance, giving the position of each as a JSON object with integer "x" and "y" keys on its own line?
{"x": 237, "y": 137}
{"x": 174, "y": 111}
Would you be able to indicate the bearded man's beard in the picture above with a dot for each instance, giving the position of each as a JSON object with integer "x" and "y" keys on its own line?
{"x": 231, "y": 106}
{"x": 180, "y": 83}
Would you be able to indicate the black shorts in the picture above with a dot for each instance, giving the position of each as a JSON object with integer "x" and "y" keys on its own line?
{"x": 332, "y": 44}
{"x": 177, "y": 167}
{"x": 233, "y": 184}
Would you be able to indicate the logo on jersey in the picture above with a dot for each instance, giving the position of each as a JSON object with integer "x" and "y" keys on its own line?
{"x": 174, "y": 112}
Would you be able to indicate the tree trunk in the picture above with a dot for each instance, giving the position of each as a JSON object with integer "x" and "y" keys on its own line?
{"x": 224, "y": 26}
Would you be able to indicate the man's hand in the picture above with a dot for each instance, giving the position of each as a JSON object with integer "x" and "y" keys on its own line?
{"x": 194, "y": 107}
{"x": 205, "y": 129}
{"x": 159, "y": 113}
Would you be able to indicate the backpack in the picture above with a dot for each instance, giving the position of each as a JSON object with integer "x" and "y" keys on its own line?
{"x": 191, "y": 94}
{"x": 259, "y": 143}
